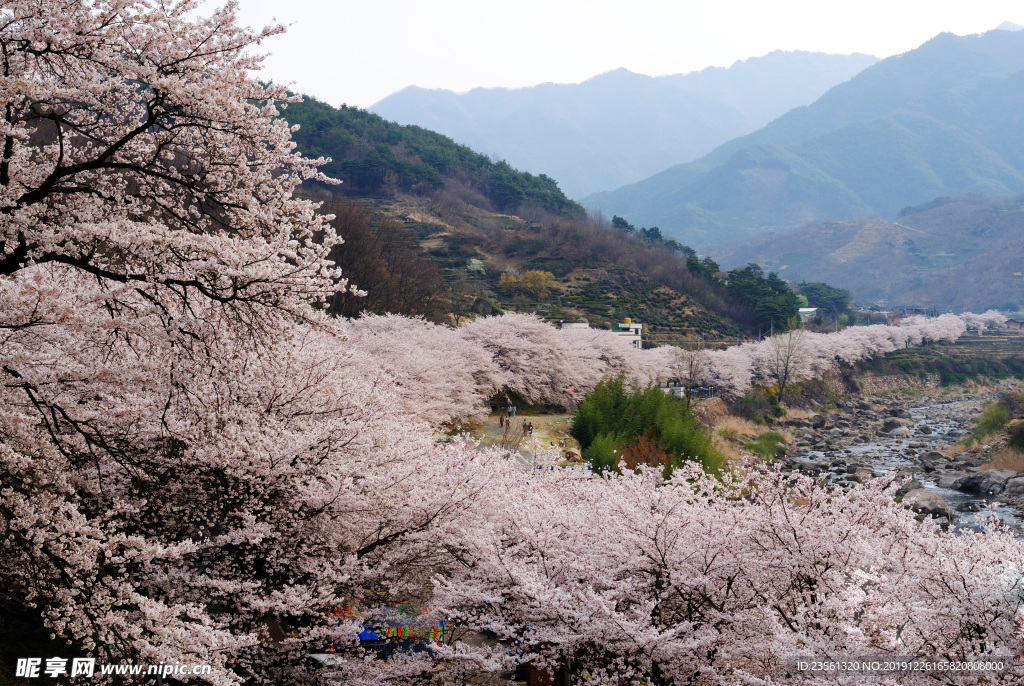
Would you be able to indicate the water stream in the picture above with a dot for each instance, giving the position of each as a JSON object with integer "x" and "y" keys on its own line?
{"x": 884, "y": 455}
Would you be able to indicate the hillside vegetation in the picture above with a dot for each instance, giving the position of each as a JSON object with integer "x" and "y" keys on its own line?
{"x": 960, "y": 253}
{"x": 435, "y": 229}
{"x": 939, "y": 120}
{"x": 374, "y": 157}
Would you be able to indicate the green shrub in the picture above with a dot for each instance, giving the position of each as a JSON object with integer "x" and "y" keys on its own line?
{"x": 641, "y": 422}
{"x": 753, "y": 406}
{"x": 1016, "y": 436}
{"x": 993, "y": 418}
{"x": 769, "y": 445}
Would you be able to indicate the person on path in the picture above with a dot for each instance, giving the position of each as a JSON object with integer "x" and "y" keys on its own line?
{"x": 530, "y": 428}
{"x": 513, "y": 410}
{"x": 524, "y": 426}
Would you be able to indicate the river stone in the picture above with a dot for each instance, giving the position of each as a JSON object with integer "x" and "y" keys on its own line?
{"x": 900, "y": 432}
{"x": 892, "y": 423}
{"x": 926, "y": 502}
{"x": 860, "y": 477}
{"x": 808, "y": 468}
{"x": 987, "y": 481}
{"x": 1015, "y": 486}
{"x": 953, "y": 481}
{"x": 924, "y": 429}
{"x": 932, "y": 460}
{"x": 912, "y": 485}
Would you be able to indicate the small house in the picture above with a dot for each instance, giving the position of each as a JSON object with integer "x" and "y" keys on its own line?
{"x": 631, "y": 330}
{"x": 808, "y": 313}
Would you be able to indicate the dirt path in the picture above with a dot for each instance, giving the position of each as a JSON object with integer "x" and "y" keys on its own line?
{"x": 548, "y": 429}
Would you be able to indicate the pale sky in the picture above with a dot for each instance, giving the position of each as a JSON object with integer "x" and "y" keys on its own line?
{"x": 359, "y": 51}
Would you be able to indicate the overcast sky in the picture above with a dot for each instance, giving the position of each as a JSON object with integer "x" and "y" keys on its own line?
{"x": 357, "y": 52}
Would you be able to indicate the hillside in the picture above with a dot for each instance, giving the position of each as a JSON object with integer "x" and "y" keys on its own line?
{"x": 435, "y": 229}
{"x": 375, "y": 158}
{"x": 621, "y": 127}
{"x": 940, "y": 120}
{"x": 960, "y": 253}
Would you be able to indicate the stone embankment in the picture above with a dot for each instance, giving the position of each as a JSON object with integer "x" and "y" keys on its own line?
{"x": 915, "y": 438}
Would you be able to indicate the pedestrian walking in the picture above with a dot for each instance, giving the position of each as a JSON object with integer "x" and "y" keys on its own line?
{"x": 524, "y": 426}
{"x": 529, "y": 428}
{"x": 513, "y": 410}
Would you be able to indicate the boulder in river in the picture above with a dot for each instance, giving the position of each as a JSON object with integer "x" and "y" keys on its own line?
{"x": 912, "y": 485}
{"x": 925, "y": 502}
{"x": 900, "y": 432}
{"x": 1014, "y": 486}
{"x": 987, "y": 481}
{"x": 861, "y": 477}
{"x": 953, "y": 481}
{"x": 892, "y": 423}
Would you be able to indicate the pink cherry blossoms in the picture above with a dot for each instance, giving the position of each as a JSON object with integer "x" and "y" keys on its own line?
{"x": 196, "y": 465}
{"x": 626, "y": 579}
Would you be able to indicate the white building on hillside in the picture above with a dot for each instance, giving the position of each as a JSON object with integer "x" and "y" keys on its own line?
{"x": 631, "y": 330}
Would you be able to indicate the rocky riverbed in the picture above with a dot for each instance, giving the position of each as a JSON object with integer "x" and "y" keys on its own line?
{"x": 915, "y": 438}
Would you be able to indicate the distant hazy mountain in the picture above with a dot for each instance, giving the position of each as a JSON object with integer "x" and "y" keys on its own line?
{"x": 621, "y": 127}
{"x": 961, "y": 253}
{"x": 940, "y": 120}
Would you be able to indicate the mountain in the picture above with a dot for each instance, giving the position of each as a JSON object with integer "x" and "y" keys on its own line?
{"x": 621, "y": 127}
{"x": 944, "y": 119}
{"x": 433, "y": 228}
{"x": 960, "y": 253}
{"x": 374, "y": 157}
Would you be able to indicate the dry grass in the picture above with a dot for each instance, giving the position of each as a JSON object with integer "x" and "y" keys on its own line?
{"x": 799, "y": 412}
{"x": 1006, "y": 458}
{"x": 734, "y": 454}
{"x": 743, "y": 429}
{"x": 737, "y": 426}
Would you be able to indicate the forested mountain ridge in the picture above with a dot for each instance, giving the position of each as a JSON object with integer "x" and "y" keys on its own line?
{"x": 960, "y": 253}
{"x": 374, "y": 157}
{"x": 940, "y": 120}
{"x": 435, "y": 229}
{"x": 620, "y": 127}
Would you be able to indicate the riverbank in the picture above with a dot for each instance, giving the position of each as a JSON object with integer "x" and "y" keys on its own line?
{"x": 917, "y": 436}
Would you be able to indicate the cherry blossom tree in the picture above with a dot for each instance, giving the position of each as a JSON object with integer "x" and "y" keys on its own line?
{"x": 626, "y": 579}
{"x": 193, "y": 462}
{"x": 992, "y": 319}
{"x": 732, "y": 370}
{"x": 783, "y": 359}
{"x": 439, "y": 376}
{"x": 690, "y": 367}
